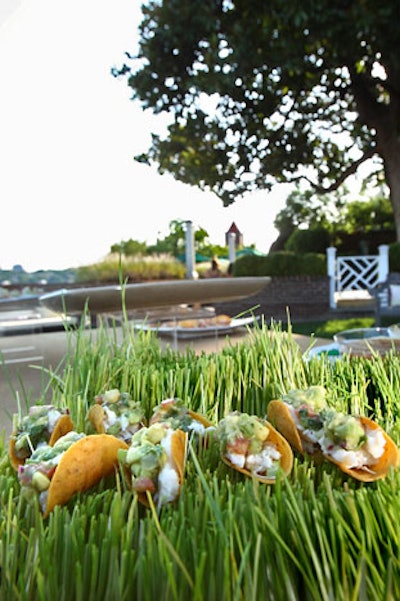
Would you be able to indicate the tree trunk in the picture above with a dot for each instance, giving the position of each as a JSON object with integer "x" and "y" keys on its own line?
{"x": 384, "y": 119}
{"x": 392, "y": 175}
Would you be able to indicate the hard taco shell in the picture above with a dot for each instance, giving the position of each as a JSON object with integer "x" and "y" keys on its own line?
{"x": 177, "y": 459}
{"x": 280, "y": 416}
{"x": 377, "y": 471}
{"x": 286, "y": 461}
{"x": 188, "y": 323}
{"x": 82, "y": 466}
{"x": 161, "y": 414}
{"x": 62, "y": 427}
{"x": 198, "y": 417}
{"x": 96, "y": 417}
{"x": 223, "y": 320}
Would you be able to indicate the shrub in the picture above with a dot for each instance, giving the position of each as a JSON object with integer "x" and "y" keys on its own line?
{"x": 362, "y": 242}
{"x": 135, "y": 269}
{"x": 249, "y": 265}
{"x": 308, "y": 241}
{"x": 281, "y": 263}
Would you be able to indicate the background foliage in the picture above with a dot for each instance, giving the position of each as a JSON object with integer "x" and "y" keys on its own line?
{"x": 267, "y": 92}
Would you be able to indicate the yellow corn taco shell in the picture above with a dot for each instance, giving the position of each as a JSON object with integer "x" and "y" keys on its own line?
{"x": 282, "y": 446}
{"x": 96, "y": 417}
{"x": 279, "y": 415}
{"x": 198, "y": 417}
{"x": 377, "y": 471}
{"x": 188, "y": 323}
{"x": 162, "y": 413}
{"x": 124, "y": 409}
{"x": 205, "y": 322}
{"x": 63, "y": 426}
{"x": 82, "y": 466}
{"x": 223, "y": 320}
{"x": 178, "y": 458}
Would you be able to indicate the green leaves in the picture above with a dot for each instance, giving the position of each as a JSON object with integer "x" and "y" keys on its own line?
{"x": 258, "y": 91}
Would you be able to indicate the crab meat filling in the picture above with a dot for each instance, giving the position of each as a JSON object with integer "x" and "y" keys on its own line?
{"x": 362, "y": 458}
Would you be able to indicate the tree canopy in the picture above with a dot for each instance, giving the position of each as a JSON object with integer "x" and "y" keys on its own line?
{"x": 264, "y": 92}
{"x": 173, "y": 243}
{"x": 334, "y": 212}
{"x": 326, "y": 218}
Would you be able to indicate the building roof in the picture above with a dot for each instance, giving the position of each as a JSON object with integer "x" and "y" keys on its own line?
{"x": 233, "y": 229}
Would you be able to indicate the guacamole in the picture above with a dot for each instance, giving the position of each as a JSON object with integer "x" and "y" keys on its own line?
{"x": 35, "y": 428}
{"x": 344, "y": 431}
{"x": 145, "y": 457}
{"x": 116, "y": 413}
{"x": 314, "y": 397}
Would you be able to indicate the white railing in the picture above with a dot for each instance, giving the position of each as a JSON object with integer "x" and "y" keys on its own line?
{"x": 355, "y": 272}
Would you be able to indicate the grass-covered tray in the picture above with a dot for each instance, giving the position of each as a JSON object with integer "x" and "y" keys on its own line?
{"x": 316, "y": 534}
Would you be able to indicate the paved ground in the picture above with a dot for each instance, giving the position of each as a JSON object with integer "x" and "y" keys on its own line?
{"x": 23, "y": 356}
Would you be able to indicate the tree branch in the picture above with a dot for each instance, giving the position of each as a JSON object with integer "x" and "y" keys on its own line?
{"x": 340, "y": 180}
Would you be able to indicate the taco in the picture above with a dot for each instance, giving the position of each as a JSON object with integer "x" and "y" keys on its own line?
{"x": 175, "y": 413}
{"x": 186, "y": 323}
{"x": 298, "y": 417}
{"x": 155, "y": 463}
{"x": 202, "y": 322}
{"x": 74, "y": 464}
{"x": 116, "y": 413}
{"x": 44, "y": 424}
{"x": 223, "y": 320}
{"x": 253, "y": 447}
{"x": 356, "y": 444}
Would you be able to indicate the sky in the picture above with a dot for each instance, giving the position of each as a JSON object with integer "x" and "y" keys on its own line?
{"x": 69, "y": 186}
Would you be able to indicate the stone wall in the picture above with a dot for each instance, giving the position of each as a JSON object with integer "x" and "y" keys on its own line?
{"x": 304, "y": 297}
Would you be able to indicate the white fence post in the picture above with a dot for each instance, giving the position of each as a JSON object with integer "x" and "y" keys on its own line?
{"x": 331, "y": 270}
{"x": 191, "y": 273}
{"x": 231, "y": 247}
{"x": 383, "y": 262}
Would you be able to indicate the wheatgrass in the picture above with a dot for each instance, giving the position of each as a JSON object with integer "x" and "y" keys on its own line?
{"x": 314, "y": 535}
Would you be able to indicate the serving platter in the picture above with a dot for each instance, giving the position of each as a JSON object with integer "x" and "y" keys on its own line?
{"x": 103, "y": 299}
{"x": 367, "y": 342}
{"x": 366, "y": 348}
{"x": 195, "y": 332}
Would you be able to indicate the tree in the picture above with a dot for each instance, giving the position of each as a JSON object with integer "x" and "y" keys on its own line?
{"x": 367, "y": 215}
{"x": 307, "y": 210}
{"x": 314, "y": 220}
{"x": 264, "y": 92}
{"x": 333, "y": 212}
{"x": 129, "y": 248}
{"x": 175, "y": 241}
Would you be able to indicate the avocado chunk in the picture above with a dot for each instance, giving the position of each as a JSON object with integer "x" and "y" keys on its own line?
{"x": 345, "y": 430}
